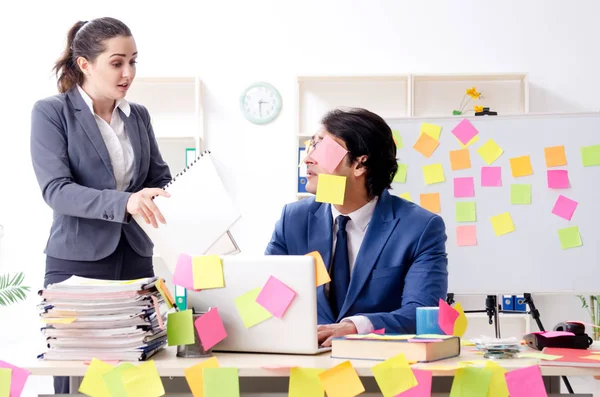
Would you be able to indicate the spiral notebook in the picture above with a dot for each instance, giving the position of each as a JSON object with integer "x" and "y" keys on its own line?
{"x": 198, "y": 213}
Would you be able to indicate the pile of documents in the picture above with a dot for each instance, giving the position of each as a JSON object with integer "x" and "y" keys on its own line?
{"x": 104, "y": 319}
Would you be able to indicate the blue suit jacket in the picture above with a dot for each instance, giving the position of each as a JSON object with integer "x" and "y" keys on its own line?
{"x": 73, "y": 169}
{"x": 401, "y": 264}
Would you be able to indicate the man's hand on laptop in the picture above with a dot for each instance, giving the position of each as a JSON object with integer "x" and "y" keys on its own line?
{"x": 325, "y": 333}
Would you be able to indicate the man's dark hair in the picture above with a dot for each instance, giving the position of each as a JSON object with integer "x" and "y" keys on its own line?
{"x": 366, "y": 133}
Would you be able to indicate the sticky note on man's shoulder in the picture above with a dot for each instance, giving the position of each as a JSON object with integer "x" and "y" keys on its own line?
{"x": 321, "y": 270}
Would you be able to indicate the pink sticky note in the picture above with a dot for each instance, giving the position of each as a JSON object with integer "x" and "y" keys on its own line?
{"x": 564, "y": 207}
{"x": 210, "y": 328}
{"x": 423, "y": 389}
{"x": 18, "y": 378}
{"x": 275, "y": 296}
{"x": 329, "y": 153}
{"x": 379, "y": 331}
{"x": 554, "y": 334}
{"x": 491, "y": 176}
{"x": 464, "y": 131}
{"x": 525, "y": 382}
{"x": 183, "y": 275}
{"x": 466, "y": 236}
{"x": 558, "y": 179}
{"x": 447, "y": 315}
{"x": 464, "y": 187}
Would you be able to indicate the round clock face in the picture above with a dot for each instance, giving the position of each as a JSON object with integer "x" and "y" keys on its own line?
{"x": 260, "y": 103}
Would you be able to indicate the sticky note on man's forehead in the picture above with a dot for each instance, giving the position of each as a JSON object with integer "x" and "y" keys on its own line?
{"x": 329, "y": 153}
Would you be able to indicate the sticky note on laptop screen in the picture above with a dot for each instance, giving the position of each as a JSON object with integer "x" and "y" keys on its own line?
{"x": 208, "y": 272}
{"x": 276, "y": 297}
{"x": 249, "y": 310}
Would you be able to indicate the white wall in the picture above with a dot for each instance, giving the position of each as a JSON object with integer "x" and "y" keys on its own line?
{"x": 232, "y": 44}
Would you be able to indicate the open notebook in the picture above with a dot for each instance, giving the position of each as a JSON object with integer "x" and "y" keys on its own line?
{"x": 199, "y": 214}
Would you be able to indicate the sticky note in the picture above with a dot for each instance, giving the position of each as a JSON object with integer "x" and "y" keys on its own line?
{"x": 466, "y": 236}
{"x": 397, "y": 139}
{"x": 251, "y": 312}
{"x": 165, "y": 293}
{"x": 93, "y": 383}
{"x": 208, "y": 272}
{"x": 564, "y": 207}
{"x": 471, "y": 381}
{"x": 380, "y": 331}
{"x": 433, "y": 173}
{"x": 502, "y": 224}
{"x": 276, "y": 297}
{"x": 183, "y": 274}
{"x": 464, "y": 187}
{"x": 520, "y": 194}
{"x": 143, "y": 380}
{"x": 394, "y": 376}
{"x": 426, "y": 145}
{"x": 569, "y": 237}
{"x": 5, "y": 376}
{"x": 521, "y": 166}
{"x": 555, "y": 156}
{"x": 321, "y": 270}
{"x": 400, "y": 176}
{"x": 113, "y": 380}
{"x": 331, "y": 189}
{"x": 194, "y": 375}
{"x": 431, "y": 202}
{"x": 432, "y": 130}
{"x": 490, "y": 151}
{"x": 464, "y": 131}
{"x": 498, "y": 386}
{"x": 221, "y": 382}
{"x": 447, "y": 316}
{"x": 18, "y": 378}
{"x": 406, "y": 196}
{"x": 461, "y": 323}
{"x": 558, "y": 179}
{"x": 590, "y": 155}
{"x": 305, "y": 382}
{"x": 423, "y": 387}
{"x": 180, "y": 328}
{"x": 491, "y": 176}
{"x": 525, "y": 382}
{"x": 466, "y": 211}
{"x": 541, "y": 356}
{"x": 341, "y": 381}
{"x": 58, "y": 320}
{"x": 472, "y": 141}
{"x": 329, "y": 153}
{"x": 460, "y": 159}
{"x": 210, "y": 328}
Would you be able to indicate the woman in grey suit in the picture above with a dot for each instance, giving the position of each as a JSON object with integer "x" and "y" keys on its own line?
{"x": 97, "y": 161}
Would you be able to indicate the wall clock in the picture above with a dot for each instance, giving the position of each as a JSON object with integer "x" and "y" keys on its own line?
{"x": 260, "y": 103}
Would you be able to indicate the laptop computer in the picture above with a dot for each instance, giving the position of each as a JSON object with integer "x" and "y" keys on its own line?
{"x": 294, "y": 333}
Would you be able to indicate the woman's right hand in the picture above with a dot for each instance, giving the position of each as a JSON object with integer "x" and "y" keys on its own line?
{"x": 141, "y": 203}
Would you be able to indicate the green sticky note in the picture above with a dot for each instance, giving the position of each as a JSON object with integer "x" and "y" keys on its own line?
{"x": 251, "y": 312}
{"x": 180, "y": 328}
{"x": 569, "y": 237}
{"x": 221, "y": 382}
{"x": 5, "y": 379}
{"x": 401, "y": 173}
{"x": 520, "y": 193}
{"x": 471, "y": 381}
{"x": 113, "y": 380}
{"x": 143, "y": 380}
{"x": 466, "y": 211}
{"x": 590, "y": 155}
{"x": 397, "y": 139}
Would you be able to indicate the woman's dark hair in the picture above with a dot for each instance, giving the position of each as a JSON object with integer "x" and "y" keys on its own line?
{"x": 366, "y": 133}
{"x": 85, "y": 39}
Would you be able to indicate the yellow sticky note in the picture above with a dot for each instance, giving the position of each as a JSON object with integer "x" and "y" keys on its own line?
{"x": 251, "y": 312}
{"x": 331, "y": 189}
{"x": 426, "y": 145}
{"x": 433, "y": 173}
{"x": 5, "y": 381}
{"x": 400, "y": 175}
{"x": 498, "y": 387}
{"x": 490, "y": 151}
{"x": 93, "y": 383}
{"x": 460, "y": 159}
{"x": 521, "y": 166}
{"x": 397, "y": 139}
{"x": 592, "y": 357}
{"x": 305, "y": 382}
{"x": 555, "y": 156}
{"x": 502, "y": 224}
{"x": 58, "y": 320}
{"x": 394, "y": 376}
{"x": 405, "y": 196}
{"x": 432, "y": 130}
{"x": 341, "y": 381}
{"x": 471, "y": 381}
{"x": 465, "y": 342}
{"x": 143, "y": 380}
{"x": 221, "y": 382}
{"x": 393, "y": 337}
{"x": 195, "y": 378}
{"x": 461, "y": 323}
{"x": 540, "y": 356}
{"x": 208, "y": 272}
{"x": 321, "y": 270}
{"x": 431, "y": 202}
{"x": 473, "y": 140}
{"x": 441, "y": 367}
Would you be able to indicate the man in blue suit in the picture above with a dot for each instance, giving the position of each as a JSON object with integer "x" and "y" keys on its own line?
{"x": 385, "y": 255}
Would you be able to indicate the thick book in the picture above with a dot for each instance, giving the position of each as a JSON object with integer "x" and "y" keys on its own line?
{"x": 571, "y": 357}
{"x": 383, "y": 347}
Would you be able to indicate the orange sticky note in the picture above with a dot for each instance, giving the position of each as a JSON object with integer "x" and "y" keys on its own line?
{"x": 321, "y": 270}
{"x": 195, "y": 378}
{"x": 555, "y": 156}
{"x": 426, "y": 145}
{"x": 341, "y": 381}
{"x": 521, "y": 166}
{"x": 460, "y": 159}
{"x": 431, "y": 202}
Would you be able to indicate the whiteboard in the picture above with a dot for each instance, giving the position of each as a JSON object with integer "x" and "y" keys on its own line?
{"x": 529, "y": 259}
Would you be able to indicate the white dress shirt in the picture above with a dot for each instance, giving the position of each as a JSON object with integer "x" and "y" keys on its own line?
{"x": 356, "y": 228}
{"x": 116, "y": 140}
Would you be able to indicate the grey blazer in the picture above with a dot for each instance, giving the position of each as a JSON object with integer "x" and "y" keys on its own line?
{"x": 73, "y": 169}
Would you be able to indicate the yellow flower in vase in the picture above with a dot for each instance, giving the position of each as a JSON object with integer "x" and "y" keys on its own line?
{"x": 478, "y": 108}
{"x": 470, "y": 93}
